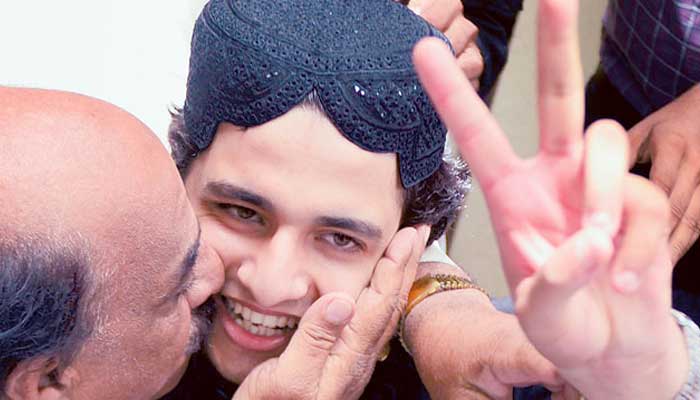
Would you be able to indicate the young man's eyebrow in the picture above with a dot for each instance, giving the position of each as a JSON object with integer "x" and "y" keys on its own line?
{"x": 230, "y": 191}
{"x": 187, "y": 264}
{"x": 363, "y": 228}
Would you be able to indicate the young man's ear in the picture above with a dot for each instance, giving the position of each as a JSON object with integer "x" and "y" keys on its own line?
{"x": 39, "y": 379}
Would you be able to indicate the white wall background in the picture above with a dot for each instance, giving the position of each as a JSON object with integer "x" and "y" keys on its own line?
{"x": 132, "y": 53}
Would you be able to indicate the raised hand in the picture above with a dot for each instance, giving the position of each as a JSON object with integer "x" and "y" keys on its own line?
{"x": 582, "y": 242}
{"x": 334, "y": 350}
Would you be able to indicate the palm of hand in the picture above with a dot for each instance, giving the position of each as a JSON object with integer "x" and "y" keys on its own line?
{"x": 534, "y": 208}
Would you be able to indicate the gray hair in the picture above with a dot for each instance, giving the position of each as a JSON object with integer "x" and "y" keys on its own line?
{"x": 43, "y": 288}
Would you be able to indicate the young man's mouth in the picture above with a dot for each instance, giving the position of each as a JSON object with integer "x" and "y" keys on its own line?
{"x": 253, "y": 329}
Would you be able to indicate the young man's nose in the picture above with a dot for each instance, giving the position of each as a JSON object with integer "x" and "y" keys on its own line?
{"x": 276, "y": 273}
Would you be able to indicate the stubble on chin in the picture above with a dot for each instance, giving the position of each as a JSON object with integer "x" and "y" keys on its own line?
{"x": 200, "y": 327}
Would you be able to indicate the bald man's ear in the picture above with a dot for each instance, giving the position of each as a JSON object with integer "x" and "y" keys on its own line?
{"x": 39, "y": 379}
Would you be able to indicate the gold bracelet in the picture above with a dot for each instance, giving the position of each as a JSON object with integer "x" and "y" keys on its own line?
{"x": 428, "y": 286}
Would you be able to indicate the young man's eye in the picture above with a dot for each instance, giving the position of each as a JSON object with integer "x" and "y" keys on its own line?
{"x": 244, "y": 214}
{"x": 342, "y": 241}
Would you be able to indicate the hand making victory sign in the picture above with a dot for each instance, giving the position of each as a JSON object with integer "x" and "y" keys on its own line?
{"x": 583, "y": 243}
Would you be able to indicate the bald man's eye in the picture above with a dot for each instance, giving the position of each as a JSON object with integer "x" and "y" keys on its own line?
{"x": 243, "y": 214}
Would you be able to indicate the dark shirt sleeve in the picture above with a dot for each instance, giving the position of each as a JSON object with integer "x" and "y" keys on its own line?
{"x": 495, "y": 20}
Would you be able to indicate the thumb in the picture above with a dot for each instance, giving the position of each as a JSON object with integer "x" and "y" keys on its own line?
{"x": 297, "y": 372}
{"x": 302, "y": 362}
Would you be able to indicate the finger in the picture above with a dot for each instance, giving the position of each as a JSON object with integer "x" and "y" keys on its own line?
{"x": 639, "y": 135}
{"x": 666, "y": 155}
{"x": 687, "y": 231}
{"x": 604, "y": 171}
{"x": 643, "y": 235}
{"x": 461, "y": 34}
{"x": 476, "y": 84}
{"x": 475, "y": 131}
{"x": 376, "y": 316}
{"x": 315, "y": 337}
{"x": 440, "y": 13}
{"x": 535, "y": 368}
{"x": 379, "y": 306}
{"x": 423, "y": 233}
{"x": 572, "y": 265}
{"x": 560, "y": 78}
{"x": 471, "y": 62}
{"x": 398, "y": 261}
{"x": 682, "y": 192}
{"x": 542, "y": 298}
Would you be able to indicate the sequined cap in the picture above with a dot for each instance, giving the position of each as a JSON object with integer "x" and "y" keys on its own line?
{"x": 254, "y": 60}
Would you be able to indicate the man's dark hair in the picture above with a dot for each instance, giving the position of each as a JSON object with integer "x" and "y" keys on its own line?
{"x": 435, "y": 201}
{"x": 42, "y": 291}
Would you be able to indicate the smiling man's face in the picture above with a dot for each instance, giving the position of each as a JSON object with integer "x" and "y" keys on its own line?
{"x": 295, "y": 211}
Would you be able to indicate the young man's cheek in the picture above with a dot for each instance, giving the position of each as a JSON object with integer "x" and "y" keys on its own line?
{"x": 349, "y": 278}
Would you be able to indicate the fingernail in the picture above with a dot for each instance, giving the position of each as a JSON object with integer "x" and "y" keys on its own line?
{"x": 339, "y": 311}
{"x": 626, "y": 281}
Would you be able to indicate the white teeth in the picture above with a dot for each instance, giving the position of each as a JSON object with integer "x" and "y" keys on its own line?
{"x": 256, "y": 317}
{"x": 258, "y": 323}
{"x": 270, "y": 321}
{"x": 282, "y": 322}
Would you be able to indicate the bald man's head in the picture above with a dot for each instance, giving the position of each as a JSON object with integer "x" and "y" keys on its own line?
{"x": 79, "y": 160}
{"x": 93, "y": 211}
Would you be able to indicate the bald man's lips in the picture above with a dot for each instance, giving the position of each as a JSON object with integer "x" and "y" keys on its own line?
{"x": 201, "y": 325}
{"x": 253, "y": 329}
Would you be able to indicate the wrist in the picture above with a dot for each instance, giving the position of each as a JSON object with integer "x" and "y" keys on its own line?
{"x": 431, "y": 268}
{"x": 436, "y": 313}
{"x": 670, "y": 373}
{"x": 423, "y": 296}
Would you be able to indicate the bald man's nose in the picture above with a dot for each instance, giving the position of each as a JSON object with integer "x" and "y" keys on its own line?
{"x": 209, "y": 276}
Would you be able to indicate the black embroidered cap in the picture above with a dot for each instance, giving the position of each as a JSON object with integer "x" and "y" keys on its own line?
{"x": 254, "y": 60}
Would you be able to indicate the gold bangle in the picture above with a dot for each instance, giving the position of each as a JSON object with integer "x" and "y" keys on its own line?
{"x": 428, "y": 286}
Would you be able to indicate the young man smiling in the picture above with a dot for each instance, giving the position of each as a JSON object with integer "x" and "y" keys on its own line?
{"x": 306, "y": 143}
{"x": 295, "y": 207}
